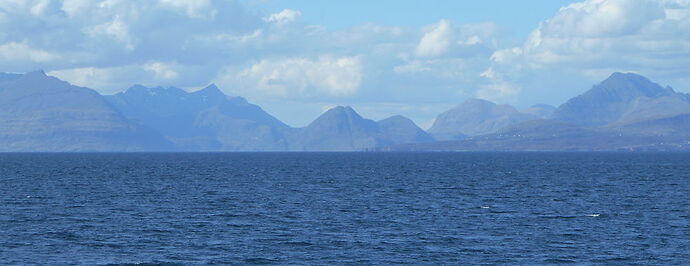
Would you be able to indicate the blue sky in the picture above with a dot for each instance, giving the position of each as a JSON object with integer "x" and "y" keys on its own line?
{"x": 518, "y": 17}
{"x": 298, "y": 58}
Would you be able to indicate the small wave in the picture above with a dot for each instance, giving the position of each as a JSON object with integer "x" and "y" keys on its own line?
{"x": 593, "y": 215}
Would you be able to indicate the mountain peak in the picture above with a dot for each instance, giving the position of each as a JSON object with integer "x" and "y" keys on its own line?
{"x": 477, "y": 101}
{"x": 136, "y": 87}
{"x": 632, "y": 84}
{"x": 344, "y": 111}
{"x": 611, "y": 99}
{"x": 36, "y": 75}
{"x": 475, "y": 117}
{"x": 141, "y": 90}
{"x": 211, "y": 90}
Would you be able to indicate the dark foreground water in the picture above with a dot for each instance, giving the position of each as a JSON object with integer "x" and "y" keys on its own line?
{"x": 339, "y": 208}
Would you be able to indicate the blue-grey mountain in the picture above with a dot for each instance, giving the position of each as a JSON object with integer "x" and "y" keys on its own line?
{"x": 476, "y": 117}
{"x": 343, "y": 129}
{"x": 622, "y": 98}
{"x": 204, "y": 120}
{"x": 623, "y": 112}
{"x": 42, "y": 113}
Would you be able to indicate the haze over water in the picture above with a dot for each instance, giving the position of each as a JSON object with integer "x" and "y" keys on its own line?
{"x": 336, "y": 208}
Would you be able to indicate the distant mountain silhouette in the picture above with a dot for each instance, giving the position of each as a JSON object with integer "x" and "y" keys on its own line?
{"x": 399, "y": 129}
{"x": 621, "y": 98}
{"x": 42, "y": 113}
{"x": 204, "y": 120}
{"x": 343, "y": 129}
{"x": 623, "y": 112}
{"x": 476, "y": 117}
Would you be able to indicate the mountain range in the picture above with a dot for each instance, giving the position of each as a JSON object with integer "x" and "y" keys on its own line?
{"x": 43, "y": 113}
{"x": 38, "y": 112}
{"x": 626, "y": 111}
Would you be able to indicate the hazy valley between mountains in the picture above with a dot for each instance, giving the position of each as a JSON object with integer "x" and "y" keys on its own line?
{"x": 42, "y": 113}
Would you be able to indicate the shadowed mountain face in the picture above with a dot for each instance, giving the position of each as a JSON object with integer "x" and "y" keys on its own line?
{"x": 42, "y": 113}
{"x": 621, "y": 98}
{"x": 475, "y": 117}
{"x": 342, "y": 129}
{"x": 205, "y": 120}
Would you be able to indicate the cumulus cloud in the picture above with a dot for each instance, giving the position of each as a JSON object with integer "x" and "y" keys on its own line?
{"x": 299, "y": 77}
{"x": 497, "y": 90}
{"x": 609, "y": 34}
{"x": 19, "y": 50}
{"x": 20, "y": 54}
{"x": 113, "y": 79}
{"x": 444, "y": 39}
{"x": 436, "y": 41}
{"x": 162, "y": 70}
{"x": 283, "y": 17}
{"x": 117, "y": 29}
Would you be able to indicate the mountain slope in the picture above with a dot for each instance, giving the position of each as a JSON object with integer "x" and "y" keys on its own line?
{"x": 399, "y": 129}
{"x": 338, "y": 129}
{"x": 614, "y": 99}
{"x": 553, "y": 135}
{"x": 475, "y": 117}
{"x": 204, "y": 120}
{"x": 42, "y": 113}
{"x": 623, "y": 112}
{"x": 343, "y": 129}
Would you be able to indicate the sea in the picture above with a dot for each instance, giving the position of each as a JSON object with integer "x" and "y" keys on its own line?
{"x": 344, "y": 208}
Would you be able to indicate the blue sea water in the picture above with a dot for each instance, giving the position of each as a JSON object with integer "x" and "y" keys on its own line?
{"x": 345, "y": 208}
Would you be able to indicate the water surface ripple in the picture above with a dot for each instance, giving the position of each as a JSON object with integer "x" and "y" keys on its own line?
{"x": 345, "y": 208}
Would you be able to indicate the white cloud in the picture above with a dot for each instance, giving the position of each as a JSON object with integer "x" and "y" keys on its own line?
{"x": 116, "y": 29}
{"x": 21, "y": 55}
{"x": 609, "y": 34}
{"x": 89, "y": 76}
{"x": 497, "y": 90}
{"x": 114, "y": 79}
{"x": 603, "y": 18}
{"x": 76, "y": 7}
{"x": 296, "y": 77}
{"x": 162, "y": 70}
{"x": 283, "y": 17}
{"x": 437, "y": 41}
{"x": 472, "y": 40}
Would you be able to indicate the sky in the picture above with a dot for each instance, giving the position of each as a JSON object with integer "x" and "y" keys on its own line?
{"x": 298, "y": 58}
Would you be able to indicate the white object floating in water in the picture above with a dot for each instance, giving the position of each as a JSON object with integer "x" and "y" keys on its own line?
{"x": 593, "y": 215}
{"x": 484, "y": 207}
